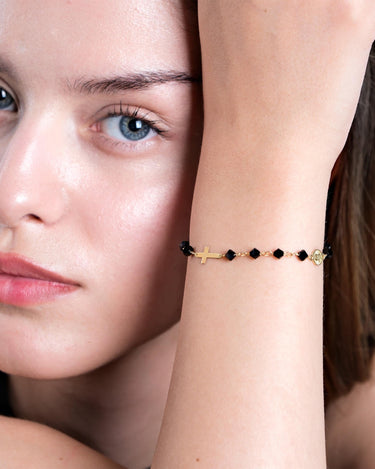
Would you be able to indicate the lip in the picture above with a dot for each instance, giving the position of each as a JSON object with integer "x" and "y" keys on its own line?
{"x": 24, "y": 283}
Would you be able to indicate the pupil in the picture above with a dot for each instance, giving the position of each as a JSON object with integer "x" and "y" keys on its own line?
{"x": 135, "y": 125}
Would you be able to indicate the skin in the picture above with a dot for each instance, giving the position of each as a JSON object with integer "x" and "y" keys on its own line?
{"x": 253, "y": 401}
{"x": 350, "y": 427}
{"x": 80, "y": 200}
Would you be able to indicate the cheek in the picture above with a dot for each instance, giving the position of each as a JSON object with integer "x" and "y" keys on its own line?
{"x": 140, "y": 241}
{"x": 138, "y": 214}
{"x": 136, "y": 269}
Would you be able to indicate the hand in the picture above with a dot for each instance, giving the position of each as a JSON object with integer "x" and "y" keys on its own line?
{"x": 285, "y": 74}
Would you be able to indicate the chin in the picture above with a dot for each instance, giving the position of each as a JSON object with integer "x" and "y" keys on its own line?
{"x": 32, "y": 361}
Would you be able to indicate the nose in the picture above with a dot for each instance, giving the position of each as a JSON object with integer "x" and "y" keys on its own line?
{"x": 30, "y": 187}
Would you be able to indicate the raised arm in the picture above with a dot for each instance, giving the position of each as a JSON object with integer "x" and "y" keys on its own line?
{"x": 281, "y": 84}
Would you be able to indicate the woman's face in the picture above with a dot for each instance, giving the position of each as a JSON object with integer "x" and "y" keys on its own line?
{"x": 100, "y": 128}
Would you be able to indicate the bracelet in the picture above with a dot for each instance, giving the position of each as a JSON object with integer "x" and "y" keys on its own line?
{"x": 317, "y": 256}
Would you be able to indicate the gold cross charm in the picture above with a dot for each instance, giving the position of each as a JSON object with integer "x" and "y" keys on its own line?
{"x": 207, "y": 255}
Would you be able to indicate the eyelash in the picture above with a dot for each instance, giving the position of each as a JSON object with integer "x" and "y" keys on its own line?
{"x": 133, "y": 113}
{"x": 138, "y": 114}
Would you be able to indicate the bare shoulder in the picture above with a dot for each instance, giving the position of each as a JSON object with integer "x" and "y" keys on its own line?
{"x": 28, "y": 444}
{"x": 350, "y": 428}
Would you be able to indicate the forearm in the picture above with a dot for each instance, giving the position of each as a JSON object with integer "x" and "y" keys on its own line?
{"x": 247, "y": 389}
{"x": 281, "y": 83}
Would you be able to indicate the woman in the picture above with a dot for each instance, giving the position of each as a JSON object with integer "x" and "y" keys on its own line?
{"x": 113, "y": 198}
{"x": 99, "y": 154}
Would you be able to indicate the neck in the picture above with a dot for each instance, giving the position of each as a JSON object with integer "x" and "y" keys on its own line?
{"x": 117, "y": 409}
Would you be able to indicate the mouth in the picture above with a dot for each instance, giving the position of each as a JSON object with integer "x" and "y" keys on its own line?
{"x": 24, "y": 283}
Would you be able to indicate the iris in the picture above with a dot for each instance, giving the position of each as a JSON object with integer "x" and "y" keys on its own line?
{"x": 134, "y": 129}
{"x": 6, "y": 99}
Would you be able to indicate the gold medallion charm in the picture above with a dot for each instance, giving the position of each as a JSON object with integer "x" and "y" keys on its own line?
{"x": 207, "y": 255}
{"x": 317, "y": 257}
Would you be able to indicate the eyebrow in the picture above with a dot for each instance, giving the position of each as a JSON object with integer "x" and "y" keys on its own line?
{"x": 132, "y": 81}
{"x": 141, "y": 80}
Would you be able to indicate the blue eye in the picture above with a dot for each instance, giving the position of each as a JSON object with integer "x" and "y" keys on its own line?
{"x": 131, "y": 128}
{"x": 7, "y": 103}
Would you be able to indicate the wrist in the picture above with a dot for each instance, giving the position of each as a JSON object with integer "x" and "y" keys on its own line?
{"x": 271, "y": 206}
{"x": 262, "y": 173}
{"x": 238, "y": 149}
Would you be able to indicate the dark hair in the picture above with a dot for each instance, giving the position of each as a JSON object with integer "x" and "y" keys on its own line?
{"x": 349, "y": 311}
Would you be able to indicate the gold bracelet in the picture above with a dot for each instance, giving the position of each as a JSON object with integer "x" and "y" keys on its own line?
{"x": 317, "y": 256}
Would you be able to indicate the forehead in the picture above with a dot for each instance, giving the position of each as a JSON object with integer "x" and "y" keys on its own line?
{"x": 81, "y": 35}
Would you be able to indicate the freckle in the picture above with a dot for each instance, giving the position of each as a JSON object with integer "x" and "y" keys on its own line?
{"x": 197, "y": 459}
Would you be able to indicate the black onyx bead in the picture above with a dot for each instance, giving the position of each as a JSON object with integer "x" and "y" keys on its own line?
{"x": 186, "y": 248}
{"x": 255, "y": 253}
{"x": 302, "y": 255}
{"x": 278, "y": 253}
{"x": 230, "y": 254}
{"x": 328, "y": 250}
